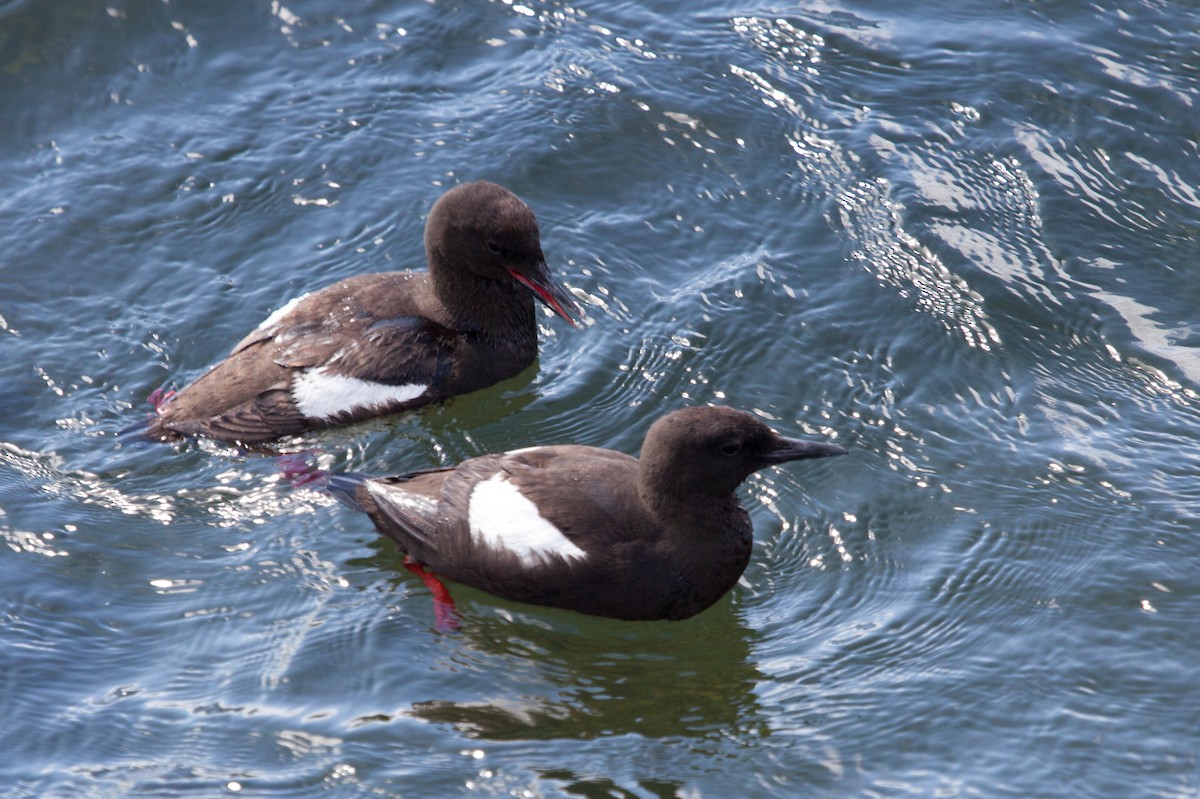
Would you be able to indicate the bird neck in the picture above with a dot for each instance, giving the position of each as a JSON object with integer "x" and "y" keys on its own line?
{"x": 488, "y": 307}
{"x": 710, "y": 540}
{"x": 676, "y": 504}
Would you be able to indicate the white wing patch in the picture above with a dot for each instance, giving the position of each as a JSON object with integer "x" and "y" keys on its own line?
{"x": 502, "y": 518}
{"x": 275, "y": 316}
{"x": 321, "y": 395}
{"x": 521, "y": 450}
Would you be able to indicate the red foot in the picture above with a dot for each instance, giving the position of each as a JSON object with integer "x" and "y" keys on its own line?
{"x": 443, "y": 604}
{"x": 300, "y": 469}
{"x": 160, "y": 397}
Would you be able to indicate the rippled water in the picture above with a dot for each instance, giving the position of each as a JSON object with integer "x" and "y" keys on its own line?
{"x": 960, "y": 239}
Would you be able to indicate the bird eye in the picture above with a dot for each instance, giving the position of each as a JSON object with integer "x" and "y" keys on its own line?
{"x": 731, "y": 448}
{"x": 493, "y": 247}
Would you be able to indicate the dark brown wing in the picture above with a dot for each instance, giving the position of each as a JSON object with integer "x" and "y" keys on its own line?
{"x": 394, "y": 351}
{"x": 349, "y": 329}
{"x": 591, "y": 495}
{"x": 243, "y": 398}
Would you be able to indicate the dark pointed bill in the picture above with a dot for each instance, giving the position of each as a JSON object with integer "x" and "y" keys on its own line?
{"x": 795, "y": 449}
{"x": 549, "y": 291}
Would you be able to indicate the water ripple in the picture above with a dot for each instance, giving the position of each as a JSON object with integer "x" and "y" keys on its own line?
{"x": 958, "y": 240}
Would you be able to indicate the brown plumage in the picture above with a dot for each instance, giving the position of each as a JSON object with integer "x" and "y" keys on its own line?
{"x": 589, "y": 529}
{"x": 376, "y": 344}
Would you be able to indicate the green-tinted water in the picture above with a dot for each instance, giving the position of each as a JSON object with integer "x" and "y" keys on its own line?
{"x": 961, "y": 239}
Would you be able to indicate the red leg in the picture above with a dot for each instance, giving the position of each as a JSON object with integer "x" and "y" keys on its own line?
{"x": 300, "y": 468}
{"x": 443, "y": 604}
{"x": 160, "y": 397}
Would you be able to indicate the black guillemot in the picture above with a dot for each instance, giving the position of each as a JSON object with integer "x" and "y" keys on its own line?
{"x": 376, "y": 344}
{"x": 588, "y": 529}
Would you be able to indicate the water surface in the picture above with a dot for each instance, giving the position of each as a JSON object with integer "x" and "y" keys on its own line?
{"x": 959, "y": 239}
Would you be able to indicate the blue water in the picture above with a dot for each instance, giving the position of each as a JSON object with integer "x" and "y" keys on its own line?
{"x": 959, "y": 238}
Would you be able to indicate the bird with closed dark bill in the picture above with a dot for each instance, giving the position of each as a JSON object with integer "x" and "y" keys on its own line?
{"x": 587, "y": 529}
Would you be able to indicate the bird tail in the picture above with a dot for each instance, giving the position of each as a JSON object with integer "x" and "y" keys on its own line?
{"x": 300, "y": 470}
{"x": 344, "y": 487}
{"x": 154, "y": 429}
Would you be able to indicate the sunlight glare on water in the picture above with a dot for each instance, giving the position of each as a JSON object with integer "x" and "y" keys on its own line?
{"x": 957, "y": 239}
